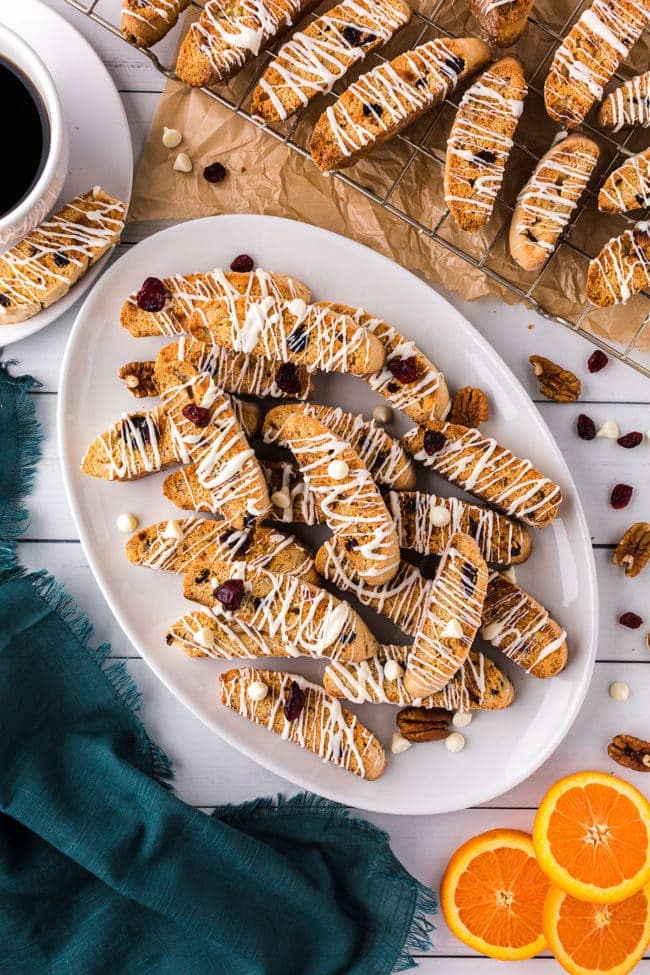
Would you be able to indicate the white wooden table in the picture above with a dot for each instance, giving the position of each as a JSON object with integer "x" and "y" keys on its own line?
{"x": 208, "y": 771}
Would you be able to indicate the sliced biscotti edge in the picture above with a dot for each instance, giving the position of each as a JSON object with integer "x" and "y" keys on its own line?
{"x": 504, "y": 24}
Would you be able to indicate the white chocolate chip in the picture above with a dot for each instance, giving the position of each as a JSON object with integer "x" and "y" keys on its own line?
{"x": 609, "y": 429}
{"x": 399, "y": 744}
{"x": 490, "y": 631}
{"x": 619, "y": 690}
{"x": 127, "y": 523}
{"x": 173, "y": 530}
{"x": 393, "y": 670}
{"x": 382, "y": 414}
{"x": 338, "y": 470}
{"x": 440, "y": 516}
{"x": 509, "y": 573}
{"x": 183, "y": 163}
{"x": 281, "y": 499}
{"x": 205, "y": 638}
{"x": 453, "y": 630}
{"x": 171, "y": 138}
{"x": 646, "y": 760}
{"x": 257, "y": 691}
{"x": 455, "y": 742}
{"x": 461, "y": 719}
{"x": 132, "y": 381}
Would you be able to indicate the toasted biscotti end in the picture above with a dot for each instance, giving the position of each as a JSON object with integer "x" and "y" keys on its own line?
{"x": 183, "y": 489}
{"x": 628, "y": 186}
{"x": 145, "y": 22}
{"x": 477, "y": 463}
{"x": 200, "y": 634}
{"x": 503, "y": 23}
{"x": 345, "y": 132}
{"x": 549, "y": 198}
{"x": 303, "y": 713}
{"x": 187, "y": 292}
{"x": 175, "y": 545}
{"x": 307, "y": 618}
{"x": 622, "y": 268}
{"x": 426, "y": 523}
{"x": 480, "y": 141}
{"x": 450, "y": 619}
{"x": 627, "y": 105}
{"x": 383, "y": 456}
{"x": 290, "y": 331}
{"x": 137, "y": 445}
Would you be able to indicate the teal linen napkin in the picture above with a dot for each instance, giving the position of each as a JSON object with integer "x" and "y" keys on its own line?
{"x": 103, "y": 870}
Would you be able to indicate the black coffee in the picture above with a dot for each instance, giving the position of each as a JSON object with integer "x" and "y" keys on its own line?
{"x": 25, "y": 118}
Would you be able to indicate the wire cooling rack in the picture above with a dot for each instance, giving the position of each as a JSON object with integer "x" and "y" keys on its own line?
{"x": 406, "y": 179}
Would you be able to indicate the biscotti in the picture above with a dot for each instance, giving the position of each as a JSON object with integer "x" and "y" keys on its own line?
{"x": 290, "y": 331}
{"x": 308, "y": 619}
{"x": 384, "y": 457}
{"x": 450, "y": 618}
{"x": 480, "y": 142}
{"x": 391, "y": 96}
{"x": 549, "y": 198}
{"x": 519, "y": 627}
{"x": 627, "y": 105}
{"x": 478, "y": 464}
{"x": 145, "y": 22}
{"x": 503, "y": 22}
{"x": 185, "y": 294}
{"x": 426, "y": 523}
{"x": 589, "y": 55}
{"x": 229, "y": 33}
{"x": 42, "y": 268}
{"x": 628, "y": 187}
{"x": 200, "y": 634}
{"x": 478, "y": 685}
{"x": 622, "y": 268}
{"x": 346, "y": 494}
{"x": 303, "y": 713}
{"x": 291, "y": 497}
{"x": 408, "y": 380}
{"x": 174, "y": 545}
{"x": 313, "y": 59}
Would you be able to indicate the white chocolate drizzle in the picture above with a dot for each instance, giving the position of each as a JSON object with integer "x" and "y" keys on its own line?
{"x": 147, "y": 10}
{"x": 623, "y": 265}
{"x": 230, "y": 638}
{"x": 628, "y": 187}
{"x": 629, "y": 104}
{"x": 285, "y": 476}
{"x": 517, "y": 625}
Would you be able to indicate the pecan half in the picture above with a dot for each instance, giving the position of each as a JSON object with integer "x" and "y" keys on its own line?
{"x": 630, "y": 752}
{"x": 469, "y": 407}
{"x": 423, "y": 724}
{"x": 138, "y": 379}
{"x": 633, "y": 550}
{"x": 556, "y": 383}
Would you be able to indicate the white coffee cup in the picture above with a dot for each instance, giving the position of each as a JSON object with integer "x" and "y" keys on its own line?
{"x": 37, "y": 204}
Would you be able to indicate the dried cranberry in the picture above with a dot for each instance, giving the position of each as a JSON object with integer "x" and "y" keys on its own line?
{"x": 352, "y": 35}
{"x": 597, "y": 361}
{"x": 198, "y": 415}
{"x": 61, "y": 260}
{"x": 404, "y": 370}
{"x": 294, "y": 702}
{"x": 287, "y": 379}
{"x": 486, "y": 156}
{"x": 5, "y": 301}
{"x": 230, "y": 593}
{"x": 621, "y": 496}
{"x": 630, "y": 439}
{"x": 137, "y": 428}
{"x": 242, "y": 264}
{"x": 298, "y": 339}
{"x": 214, "y": 173}
{"x": 434, "y": 441}
{"x": 373, "y": 109}
{"x": 630, "y": 620}
{"x": 586, "y": 427}
{"x": 152, "y": 295}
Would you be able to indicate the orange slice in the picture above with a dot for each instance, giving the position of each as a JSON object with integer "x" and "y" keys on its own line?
{"x": 492, "y": 895}
{"x": 597, "y": 939}
{"x": 592, "y": 837}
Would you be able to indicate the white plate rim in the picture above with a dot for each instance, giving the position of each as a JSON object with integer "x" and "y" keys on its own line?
{"x": 69, "y": 466}
{"x": 9, "y": 334}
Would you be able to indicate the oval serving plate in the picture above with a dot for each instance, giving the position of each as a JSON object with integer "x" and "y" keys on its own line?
{"x": 504, "y": 747}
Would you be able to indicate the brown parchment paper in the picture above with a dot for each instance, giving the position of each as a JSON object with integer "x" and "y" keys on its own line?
{"x": 268, "y": 177}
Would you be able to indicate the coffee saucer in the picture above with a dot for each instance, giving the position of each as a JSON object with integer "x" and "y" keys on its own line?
{"x": 101, "y": 152}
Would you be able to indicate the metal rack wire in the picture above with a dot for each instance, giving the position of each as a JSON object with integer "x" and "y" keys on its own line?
{"x": 490, "y": 258}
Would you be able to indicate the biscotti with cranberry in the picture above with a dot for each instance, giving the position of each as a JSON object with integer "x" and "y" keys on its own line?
{"x": 200, "y": 634}
{"x": 301, "y": 712}
{"x": 145, "y": 22}
{"x": 627, "y": 105}
{"x": 315, "y": 58}
{"x": 504, "y": 23}
{"x": 480, "y": 142}
{"x": 42, "y": 268}
{"x": 476, "y": 463}
{"x": 621, "y": 269}
{"x": 628, "y": 186}
{"x": 165, "y": 306}
{"x": 390, "y": 97}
